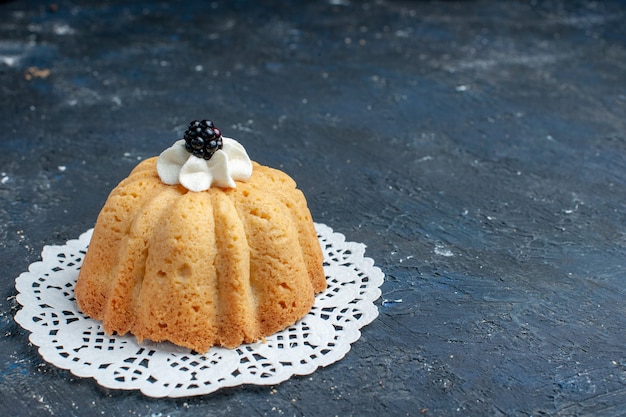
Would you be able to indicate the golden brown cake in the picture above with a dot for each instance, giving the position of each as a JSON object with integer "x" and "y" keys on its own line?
{"x": 223, "y": 266}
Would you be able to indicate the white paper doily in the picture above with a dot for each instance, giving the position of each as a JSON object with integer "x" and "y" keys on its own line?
{"x": 70, "y": 340}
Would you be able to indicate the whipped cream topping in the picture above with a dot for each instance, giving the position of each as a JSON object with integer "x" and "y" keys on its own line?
{"x": 227, "y": 165}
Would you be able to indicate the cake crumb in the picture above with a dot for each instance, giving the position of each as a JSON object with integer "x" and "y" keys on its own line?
{"x": 34, "y": 72}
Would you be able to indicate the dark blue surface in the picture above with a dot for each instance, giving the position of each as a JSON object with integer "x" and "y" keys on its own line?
{"x": 477, "y": 148}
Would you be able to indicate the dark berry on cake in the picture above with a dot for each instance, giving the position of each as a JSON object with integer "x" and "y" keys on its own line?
{"x": 203, "y": 139}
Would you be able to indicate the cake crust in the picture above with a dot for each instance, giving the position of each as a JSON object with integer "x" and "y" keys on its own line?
{"x": 199, "y": 269}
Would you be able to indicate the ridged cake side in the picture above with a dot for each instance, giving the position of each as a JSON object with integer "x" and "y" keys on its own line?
{"x": 219, "y": 267}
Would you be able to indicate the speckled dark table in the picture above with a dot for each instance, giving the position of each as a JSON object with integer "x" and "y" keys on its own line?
{"x": 478, "y": 148}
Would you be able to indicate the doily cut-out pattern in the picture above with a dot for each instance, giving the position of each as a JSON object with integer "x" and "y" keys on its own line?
{"x": 70, "y": 340}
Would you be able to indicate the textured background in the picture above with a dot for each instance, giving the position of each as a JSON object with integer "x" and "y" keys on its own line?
{"x": 478, "y": 148}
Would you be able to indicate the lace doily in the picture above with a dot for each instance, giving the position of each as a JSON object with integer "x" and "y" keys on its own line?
{"x": 70, "y": 340}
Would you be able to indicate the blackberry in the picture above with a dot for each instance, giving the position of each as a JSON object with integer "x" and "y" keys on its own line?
{"x": 203, "y": 139}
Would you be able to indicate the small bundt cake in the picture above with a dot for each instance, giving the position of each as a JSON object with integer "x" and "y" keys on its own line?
{"x": 174, "y": 259}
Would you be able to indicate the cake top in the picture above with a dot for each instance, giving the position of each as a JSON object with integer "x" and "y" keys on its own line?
{"x": 204, "y": 159}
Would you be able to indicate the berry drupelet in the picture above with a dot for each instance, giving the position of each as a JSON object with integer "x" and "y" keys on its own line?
{"x": 203, "y": 139}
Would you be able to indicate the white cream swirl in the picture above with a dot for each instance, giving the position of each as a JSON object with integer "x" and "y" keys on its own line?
{"x": 227, "y": 165}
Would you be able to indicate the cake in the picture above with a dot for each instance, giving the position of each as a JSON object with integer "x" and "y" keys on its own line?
{"x": 202, "y": 247}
